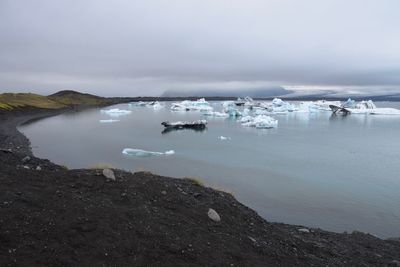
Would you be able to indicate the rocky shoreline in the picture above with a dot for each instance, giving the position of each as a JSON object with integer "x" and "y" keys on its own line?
{"x": 51, "y": 216}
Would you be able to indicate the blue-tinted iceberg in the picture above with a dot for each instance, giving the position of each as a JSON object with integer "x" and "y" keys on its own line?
{"x": 229, "y": 107}
{"x": 144, "y": 153}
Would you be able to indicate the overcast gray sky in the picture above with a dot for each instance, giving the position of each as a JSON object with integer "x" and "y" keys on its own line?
{"x": 132, "y": 47}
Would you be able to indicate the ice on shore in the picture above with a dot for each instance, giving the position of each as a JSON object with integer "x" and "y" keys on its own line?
{"x": 115, "y": 112}
{"x": 187, "y": 105}
{"x": 144, "y": 153}
{"x": 261, "y": 122}
{"x": 108, "y": 121}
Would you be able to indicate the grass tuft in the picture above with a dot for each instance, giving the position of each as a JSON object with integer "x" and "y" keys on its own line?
{"x": 195, "y": 181}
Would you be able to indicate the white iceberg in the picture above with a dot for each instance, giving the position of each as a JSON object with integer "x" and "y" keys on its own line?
{"x": 108, "y": 121}
{"x": 365, "y": 105}
{"x": 198, "y": 105}
{"x": 216, "y": 114}
{"x": 157, "y": 106}
{"x": 115, "y": 112}
{"x": 246, "y": 119}
{"x": 138, "y": 104}
{"x": 384, "y": 111}
{"x": 144, "y": 153}
{"x": 262, "y": 122}
{"x": 224, "y": 137}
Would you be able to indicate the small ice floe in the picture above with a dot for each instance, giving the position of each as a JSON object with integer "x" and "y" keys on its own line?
{"x": 261, "y": 122}
{"x": 144, "y": 153}
{"x": 187, "y": 105}
{"x": 216, "y": 114}
{"x": 108, "y": 121}
{"x": 138, "y": 104}
{"x": 246, "y": 119}
{"x": 115, "y": 112}
{"x": 224, "y": 137}
{"x": 385, "y": 111}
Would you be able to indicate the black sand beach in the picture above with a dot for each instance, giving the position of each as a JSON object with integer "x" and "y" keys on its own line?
{"x": 51, "y": 216}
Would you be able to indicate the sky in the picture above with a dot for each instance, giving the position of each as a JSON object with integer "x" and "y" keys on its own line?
{"x": 132, "y": 47}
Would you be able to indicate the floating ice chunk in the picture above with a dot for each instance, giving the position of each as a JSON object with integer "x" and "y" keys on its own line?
{"x": 365, "y": 105}
{"x": 216, "y": 114}
{"x": 280, "y": 106}
{"x": 262, "y": 122}
{"x": 138, "y": 104}
{"x": 261, "y": 112}
{"x": 224, "y": 137}
{"x": 169, "y": 152}
{"x": 115, "y": 112}
{"x": 324, "y": 105}
{"x": 198, "y": 105}
{"x": 246, "y": 119}
{"x": 157, "y": 106}
{"x": 108, "y": 121}
{"x": 230, "y": 109}
{"x": 144, "y": 153}
{"x": 349, "y": 103}
{"x": 384, "y": 111}
{"x": 246, "y": 112}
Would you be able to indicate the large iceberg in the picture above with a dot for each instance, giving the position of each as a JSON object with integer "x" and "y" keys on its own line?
{"x": 261, "y": 122}
{"x": 115, "y": 112}
{"x": 144, "y": 153}
{"x": 198, "y": 105}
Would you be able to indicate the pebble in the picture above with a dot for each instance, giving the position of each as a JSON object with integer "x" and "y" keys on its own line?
{"x": 304, "y": 230}
{"x": 38, "y": 168}
{"x": 164, "y": 192}
{"x": 109, "y": 174}
{"x": 213, "y": 215}
{"x": 26, "y": 159}
{"x": 26, "y": 167}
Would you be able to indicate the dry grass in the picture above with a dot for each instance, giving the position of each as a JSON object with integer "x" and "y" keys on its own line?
{"x": 10, "y": 101}
{"x": 101, "y": 166}
{"x": 195, "y": 181}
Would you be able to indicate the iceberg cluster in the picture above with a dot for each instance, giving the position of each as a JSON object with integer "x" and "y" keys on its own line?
{"x": 144, "y": 153}
{"x": 152, "y": 104}
{"x": 115, "y": 112}
{"x": 187, "y": 105}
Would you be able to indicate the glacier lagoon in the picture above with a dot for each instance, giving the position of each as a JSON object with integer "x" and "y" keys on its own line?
{"x": 338, "y": 173}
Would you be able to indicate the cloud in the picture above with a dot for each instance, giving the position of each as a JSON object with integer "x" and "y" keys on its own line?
{"x": 145, "y": 47}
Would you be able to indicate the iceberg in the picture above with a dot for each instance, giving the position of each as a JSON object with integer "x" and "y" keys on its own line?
{"x": 262, "y": 122}
{"x": 349, "y": 103}
{"x": 246, "y": 119}
{"x": 230, "y": 109}
{"x": 138, "y": 104}
{"x": 115, "y": 112}
{"x": 384, "y": 111}
{"x": 198, "y": 105}
{"x": 144, "y": 153}
{"x": 224, "y": 138}
{"x": 108, "y": 121}
{"x": 365, "y": 105}
{"x": 157, "y": 106}
{"x": 199, "y": 124}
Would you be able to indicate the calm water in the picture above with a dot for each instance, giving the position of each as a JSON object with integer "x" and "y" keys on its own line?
{"x": 336, "y": 173}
